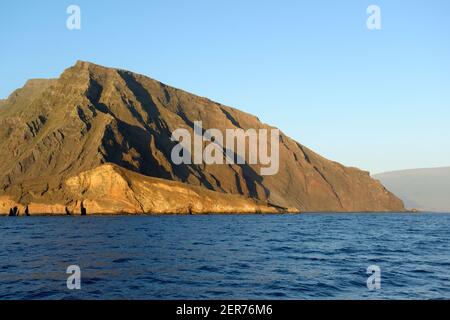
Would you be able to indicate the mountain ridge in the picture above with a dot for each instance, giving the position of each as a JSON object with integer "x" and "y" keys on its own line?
{"x": 92, "y": 115}
{"x": 425, "y": 189}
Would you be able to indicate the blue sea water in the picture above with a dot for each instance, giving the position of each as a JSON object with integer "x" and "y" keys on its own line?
{"x": 306, "y": 256}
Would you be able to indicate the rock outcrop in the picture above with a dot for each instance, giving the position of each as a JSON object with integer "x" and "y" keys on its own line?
{"x": 110, "y": 189}
{"x": 55, "y": 132}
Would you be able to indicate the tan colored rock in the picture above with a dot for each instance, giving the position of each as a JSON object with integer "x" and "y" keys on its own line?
{"x": 6, "y": 203}
{"x": 109, "y": 189}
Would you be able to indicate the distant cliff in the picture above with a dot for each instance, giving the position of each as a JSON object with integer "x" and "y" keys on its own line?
{"x": 53, "y": 131}
{"x": 422, "y": 189}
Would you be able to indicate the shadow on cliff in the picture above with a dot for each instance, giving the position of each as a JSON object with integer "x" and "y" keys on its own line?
{"x": 147, "y": 148}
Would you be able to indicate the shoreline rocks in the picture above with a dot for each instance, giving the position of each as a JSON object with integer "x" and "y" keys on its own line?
{"x": 110, "y": 189}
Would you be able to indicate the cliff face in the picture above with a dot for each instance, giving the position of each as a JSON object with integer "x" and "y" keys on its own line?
{"x": 111, "y": 189}
{"x": 55, "y": 130}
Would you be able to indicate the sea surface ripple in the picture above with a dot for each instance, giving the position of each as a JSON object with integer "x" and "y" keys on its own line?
{"x": 306, "y": 256}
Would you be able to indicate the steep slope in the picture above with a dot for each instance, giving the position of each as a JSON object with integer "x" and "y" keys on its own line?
{"x": 422, "y": 189}
{"x": 93, "y": 115}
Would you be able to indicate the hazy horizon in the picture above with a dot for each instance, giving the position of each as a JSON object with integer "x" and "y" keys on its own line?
{"x": 373, "y": 99}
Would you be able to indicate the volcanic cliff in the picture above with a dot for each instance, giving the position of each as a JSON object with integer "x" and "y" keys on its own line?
{"x": 103, "y": 136}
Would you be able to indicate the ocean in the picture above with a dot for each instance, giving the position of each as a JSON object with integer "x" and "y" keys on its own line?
{"x": 305, "y": 256}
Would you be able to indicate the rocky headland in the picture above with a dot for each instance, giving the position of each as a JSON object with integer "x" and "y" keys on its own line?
{"x": 102, "y": 137}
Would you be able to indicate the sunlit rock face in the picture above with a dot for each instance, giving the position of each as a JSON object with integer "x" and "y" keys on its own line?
{"x": 55, "y": 135}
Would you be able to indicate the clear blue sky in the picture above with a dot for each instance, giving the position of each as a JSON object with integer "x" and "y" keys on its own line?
{"x": 378, "y": 100}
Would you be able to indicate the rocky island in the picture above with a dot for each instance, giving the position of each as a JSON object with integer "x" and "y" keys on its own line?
{"x": 102, "y": 137}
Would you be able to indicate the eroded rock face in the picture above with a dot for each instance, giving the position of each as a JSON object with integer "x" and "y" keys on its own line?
{"x": 52, "y": 131}
{"x": 35, "y": 208}
{"x": 111, "y": 189}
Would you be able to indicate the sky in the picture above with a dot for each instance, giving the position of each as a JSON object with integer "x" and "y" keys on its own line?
{"x": 378, "y": 100}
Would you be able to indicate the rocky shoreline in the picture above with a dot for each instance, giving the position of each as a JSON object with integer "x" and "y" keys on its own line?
{"x": 112, "y": 190}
